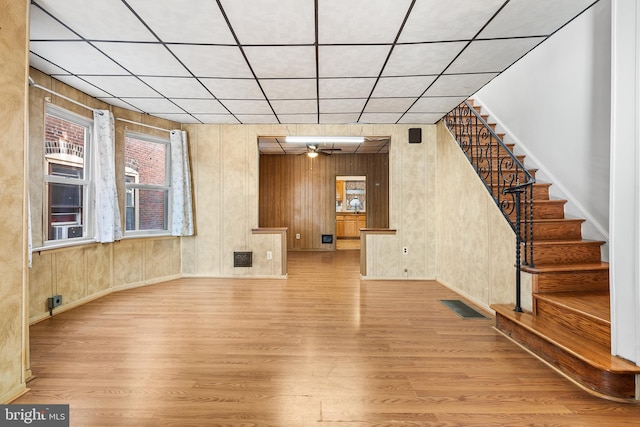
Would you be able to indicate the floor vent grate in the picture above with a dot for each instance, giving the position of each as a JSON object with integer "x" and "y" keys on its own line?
{"x": 462, "y": 309}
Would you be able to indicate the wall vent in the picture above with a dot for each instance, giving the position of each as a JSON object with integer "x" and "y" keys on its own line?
{"x": 242, "y": 259}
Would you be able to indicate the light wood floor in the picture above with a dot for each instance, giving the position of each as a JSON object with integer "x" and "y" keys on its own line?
{"x": 347, "y": 244}
{"x": 319, "y": 349}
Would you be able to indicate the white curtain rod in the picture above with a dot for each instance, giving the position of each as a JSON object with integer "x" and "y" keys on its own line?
{"x": 142, "y": 124}
{"x": 33, "y": 84}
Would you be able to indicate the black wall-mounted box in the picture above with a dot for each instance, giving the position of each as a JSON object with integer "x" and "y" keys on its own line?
{"x": 415, "y": 135}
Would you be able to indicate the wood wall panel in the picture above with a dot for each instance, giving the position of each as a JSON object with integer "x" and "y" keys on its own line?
{"x": 299, "y": 193}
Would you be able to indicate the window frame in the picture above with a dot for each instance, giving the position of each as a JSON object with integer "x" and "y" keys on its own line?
{"x": 137, "y": 185}
{"x": 86, "y": 182}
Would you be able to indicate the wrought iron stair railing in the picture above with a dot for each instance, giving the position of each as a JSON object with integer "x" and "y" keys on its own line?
{"x": 504, "y": 176}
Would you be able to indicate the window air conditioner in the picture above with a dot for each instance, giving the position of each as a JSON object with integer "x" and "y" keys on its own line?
{"x": 66, "y": 231}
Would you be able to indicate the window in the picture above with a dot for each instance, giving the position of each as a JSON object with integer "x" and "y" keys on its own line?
{"x": 67, "y": 174}
{"x": 147, "y": 184}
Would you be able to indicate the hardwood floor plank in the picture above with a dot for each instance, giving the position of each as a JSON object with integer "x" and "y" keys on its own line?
{"x": 321, "y": 348}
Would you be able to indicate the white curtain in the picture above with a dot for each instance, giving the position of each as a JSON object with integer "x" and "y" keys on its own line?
{"x": 182, "y": 210}
{"x": 107, "y": 211}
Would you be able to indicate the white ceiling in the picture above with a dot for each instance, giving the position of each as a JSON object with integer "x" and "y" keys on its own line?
{"x": 288, "y": 61}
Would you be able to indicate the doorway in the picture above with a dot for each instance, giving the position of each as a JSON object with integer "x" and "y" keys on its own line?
{"x": 351, "y": 210}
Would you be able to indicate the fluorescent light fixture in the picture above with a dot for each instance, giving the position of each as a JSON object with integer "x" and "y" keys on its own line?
{"x": 324, "y": 139}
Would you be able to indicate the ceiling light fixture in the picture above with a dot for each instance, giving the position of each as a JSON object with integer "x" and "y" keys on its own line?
{"x": 324, "y": 139}
{"x": 312, "y": 154}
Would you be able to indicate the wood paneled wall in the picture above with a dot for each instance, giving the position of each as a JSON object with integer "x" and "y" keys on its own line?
{"x": 299, "y": 193}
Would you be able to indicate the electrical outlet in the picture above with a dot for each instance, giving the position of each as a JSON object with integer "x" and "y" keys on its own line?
{"x": 405, "y": 250}
{"x": 269, "y": 255}
{"x": 297, "y": 236}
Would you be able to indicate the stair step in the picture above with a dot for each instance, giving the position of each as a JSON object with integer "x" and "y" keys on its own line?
{"x": 581, "y": 313}
{"x": 497, "y": 160}
{"x": 540, "y": 190}
{"x": 507, "y": 174}
{"x": 473, "y": 124}
{"x": 586, "y": 362}
{"x": 572, "y": 277}
{"x": 544, "y": 209}
{"x": 557, "y": 229}
{"x": 566, "y": 251}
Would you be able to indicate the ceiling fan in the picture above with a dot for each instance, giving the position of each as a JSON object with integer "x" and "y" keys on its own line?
{"x": 313, "y": 150}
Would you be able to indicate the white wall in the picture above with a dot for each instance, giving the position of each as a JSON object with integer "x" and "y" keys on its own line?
{"x": 554, "y": 104}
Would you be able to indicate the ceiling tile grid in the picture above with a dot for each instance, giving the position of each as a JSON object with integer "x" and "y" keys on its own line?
{"x": 288, "y": 61}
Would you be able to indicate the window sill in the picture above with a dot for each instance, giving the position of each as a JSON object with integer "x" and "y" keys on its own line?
{"x": 146, "y": 234}
{"x": 62, "y": 244}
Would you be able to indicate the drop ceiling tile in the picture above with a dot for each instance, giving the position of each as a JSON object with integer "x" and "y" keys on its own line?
{"x": 242, "y": 106}
{"x": 264, "y": 143}
{"x": 282, "y": 61}
{"x": 155, "y": 105}
{"x": 422, "y": 118}
{"x": 200, "y": 22}
{"x": 200, "y": 106}
{"x": 436, "y": 104}
{"x": 77, "y": 57}
{"x": 487, "y": 56}
{"x": 298, "y": 106}
{"x": 119, "y": 103}
{"x": 339, "y": 118}
{"x": 178, "y": 118}
{"x": 143, "y": 58}
{"x": 233, "y": 88}
{"x": 44, "y": 27}
{"x": 272, "y": 21}
{"x": 122, "y": 86}
{"x": 533, "y": 18}
{"x": 390, "y": 87}
{"x": 379, "y": 117}
{"x": 217, "y": 118}
{"x": 421, "y": 59}
{"x": 289, "y": 88}
{"x": 438, "y": 20}
{"x": 360, "y": 21}
{"x": 213, "y": 61}
{"x": 298, "y": 118}
{"x": 83, "y": 86}
{"x": 352, "y": 61}
{"x": 257, "y": 118}
{"x": 175, "y": 87}
{"x": 271, "y": 150}
{"x": 459, "y": 84}
{"x": 45, "y": 66}
{"x": 354, "y": 105}
{"x": 103, "y": 20}
{"x": 346, "y": 87}
{"x": 388, "y": 105}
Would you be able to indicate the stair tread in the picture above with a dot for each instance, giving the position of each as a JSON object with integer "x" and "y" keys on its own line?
{"x": 551, "y": 220}
{"x": 594, "y": 304}
{"x": 582, "y": 348}
{"x": 567, "y": 242}
{"x": 550, "y": 268}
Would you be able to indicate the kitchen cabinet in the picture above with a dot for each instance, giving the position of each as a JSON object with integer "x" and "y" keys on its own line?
{"x": 339, "y": 190}
{"x": 348, "y": 225}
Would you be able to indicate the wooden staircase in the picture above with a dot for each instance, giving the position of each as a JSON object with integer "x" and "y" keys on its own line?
{"x": 569, "y": 326}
